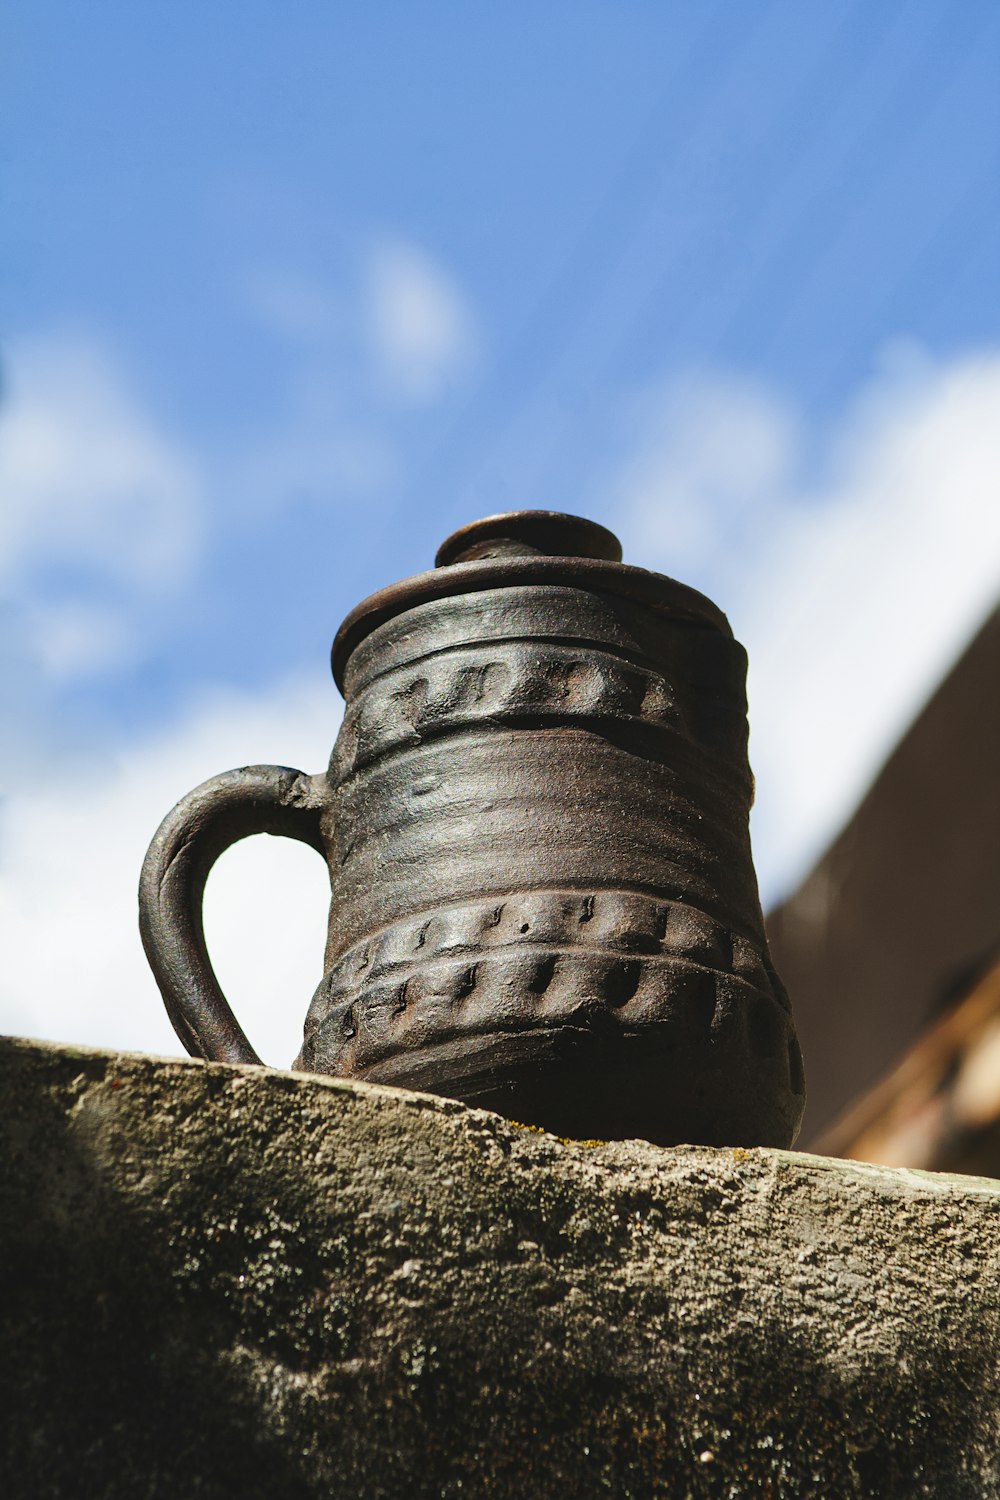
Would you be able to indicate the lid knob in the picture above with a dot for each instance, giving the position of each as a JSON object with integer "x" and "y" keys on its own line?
{"x": 529, "y": 533}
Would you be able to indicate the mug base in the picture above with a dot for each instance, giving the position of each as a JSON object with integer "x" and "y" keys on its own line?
{"x": 580, "y": 1085}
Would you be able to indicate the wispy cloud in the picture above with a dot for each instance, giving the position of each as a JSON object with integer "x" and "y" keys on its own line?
{"x": 367, "y": 347}
{"x": 421, "y": 326}
{"x": 711, "y": 456}
{"x": 854, "y": 565}
{"x": 99, "y": 506}
{"x": 84, "y": 473}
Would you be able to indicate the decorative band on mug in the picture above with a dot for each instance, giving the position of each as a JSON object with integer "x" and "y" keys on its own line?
{"x": 631, "y": 921}
{"x": 513, "y": 683}
{"x": 668, "y": 1000}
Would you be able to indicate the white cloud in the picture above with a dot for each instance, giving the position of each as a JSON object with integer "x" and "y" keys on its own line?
{"x": 421, "y": 327}
{"x": 853, "y": 579}
{"x": 90, "y": 489}
{"x": 73, "y": 967}
{"x": 362, "y": 355}
{"x": 84, "y": 474}
{"x": 707, "y": 448}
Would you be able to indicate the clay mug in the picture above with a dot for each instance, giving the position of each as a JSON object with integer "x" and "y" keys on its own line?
{"x": 535, "y": 819}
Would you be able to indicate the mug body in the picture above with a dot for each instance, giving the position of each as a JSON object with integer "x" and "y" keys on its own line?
{"x": 543, "y": 898}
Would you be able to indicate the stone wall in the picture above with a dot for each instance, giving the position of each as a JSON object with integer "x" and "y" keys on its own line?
{"x": 233, "y": 1282}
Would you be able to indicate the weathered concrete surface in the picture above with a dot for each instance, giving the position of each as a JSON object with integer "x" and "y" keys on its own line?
{"x": 229, "y": 1282}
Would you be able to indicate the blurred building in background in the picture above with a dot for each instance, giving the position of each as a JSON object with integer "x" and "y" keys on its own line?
{"x": 891, "y": 947}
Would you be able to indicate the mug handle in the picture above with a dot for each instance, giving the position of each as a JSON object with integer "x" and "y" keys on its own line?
{"x": 203, "y": 825}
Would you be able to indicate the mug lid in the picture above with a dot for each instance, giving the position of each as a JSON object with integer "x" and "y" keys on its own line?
{"x": 529, "y": 533}
{"x": 526, "y": 547}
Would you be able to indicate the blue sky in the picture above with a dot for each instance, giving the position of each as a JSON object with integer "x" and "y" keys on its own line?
{"x": 288, "y": 292}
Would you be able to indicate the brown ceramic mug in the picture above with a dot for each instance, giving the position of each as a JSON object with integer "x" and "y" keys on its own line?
{"x": 535, "y": 819}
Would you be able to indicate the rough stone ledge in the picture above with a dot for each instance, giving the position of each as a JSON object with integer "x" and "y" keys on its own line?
{"x": 236, "y": 1282}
